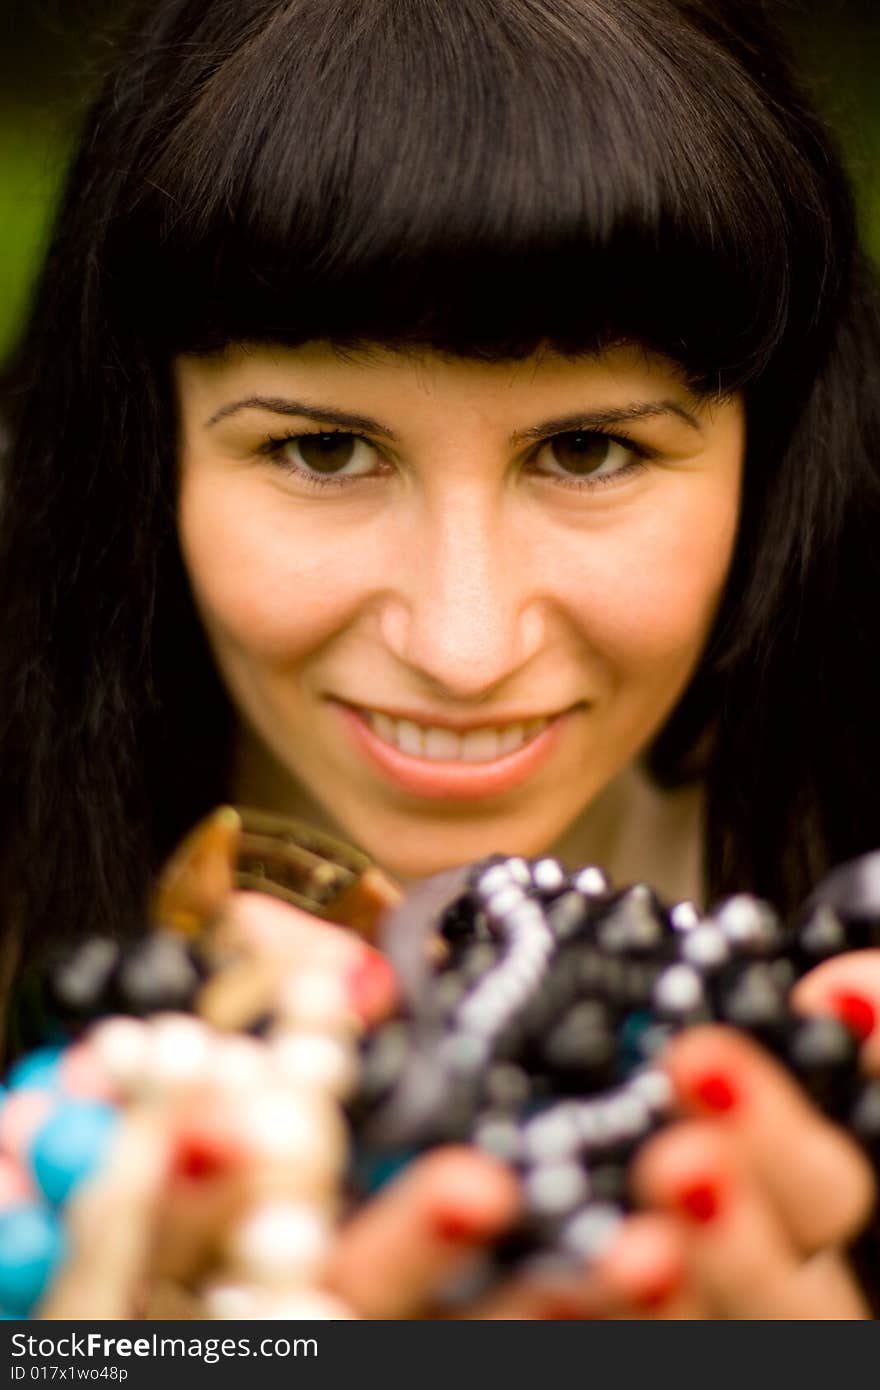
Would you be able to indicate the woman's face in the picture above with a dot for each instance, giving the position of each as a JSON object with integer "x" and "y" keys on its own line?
{"x": 453, "y": 599}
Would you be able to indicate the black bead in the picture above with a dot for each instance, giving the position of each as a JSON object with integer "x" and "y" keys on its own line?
{"x": 749, "y": 996}
{"x": 633, "y": 923}
{"x": 821, "y": 936}
{"x": 581, "y": 1050}
{"x": 156, "y": 974}
{"x": 823, "y": 1054}
{"x": 864, "y": 1118}
{"x": 80, "y": 982}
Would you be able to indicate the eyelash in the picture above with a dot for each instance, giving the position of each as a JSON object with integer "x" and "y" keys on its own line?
{"x": 272, "y": 449}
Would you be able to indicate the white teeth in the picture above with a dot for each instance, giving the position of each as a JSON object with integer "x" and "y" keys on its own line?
{"x": 384, "y": 726}
{"x": 441, "y": 744}
{"x": 409, "y": 737}
{"x": 479, "y": 746}
{"x": 444, "y": 745}
{"x": 512, "y": 737}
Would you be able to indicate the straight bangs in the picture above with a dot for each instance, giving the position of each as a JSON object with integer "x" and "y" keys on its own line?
{"x": 479, "y": 178}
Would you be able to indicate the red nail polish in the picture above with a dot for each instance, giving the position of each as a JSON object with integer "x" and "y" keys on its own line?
{"x": 458, "y": 1227}
{"x": 701, "y": 1201}
{"x": 372, "y": 986}
{"x": 716, "y": 1091}
{"x": 201, "y": 1157}
{"x": 856, "y": 1012}
{"x": 652, "y": 1298}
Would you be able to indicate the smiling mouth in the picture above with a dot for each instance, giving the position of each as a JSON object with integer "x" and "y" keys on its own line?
{"x": 438, "y": 763}
{"x": 435, "y": 744}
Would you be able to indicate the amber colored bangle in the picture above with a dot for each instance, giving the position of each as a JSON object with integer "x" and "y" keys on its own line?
{"x": 240, "y": 847}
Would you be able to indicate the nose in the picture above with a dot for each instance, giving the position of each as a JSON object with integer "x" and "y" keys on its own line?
{"x": 464, "y": 609}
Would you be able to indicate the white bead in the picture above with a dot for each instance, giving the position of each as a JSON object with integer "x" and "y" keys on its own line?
{"x": 519, "y": 871}
{"x": 179, "y": 1051}
{"x": 553, "y": 1136}
{"x": 591, "y": 881}
{"x": 503, "y": 902}
{"x": 311, "y": 1305}
{"x": 238, "y": 1063}
{"x": 548, "y": 875}
{"x": 493, "y": 880}
{"x": 556, "y": 1188}
{"x": 315, "y": 1060}
{"x": 684, "y": 916}
{"x": 282, "y": 1242}
{"x": 300, "y": 1130}
{"x": 120, "y": 1046}
{"x": 654, "y": 1087}
{"x": 230, "y": 1301}
{"x": 679, "y": 989}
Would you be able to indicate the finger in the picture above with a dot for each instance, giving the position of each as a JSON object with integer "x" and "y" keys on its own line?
{"x": 282, "y": 938}
{"x": 643, "y": 1274}
{"x": 818, "y": 1178}
{"x": 110, "y": 1224}
{"x": 739, "y": 1255}
{"x": 420, "y": 1229}
{"x": 640, "y": 1275}
{"x": 847, "y": 986}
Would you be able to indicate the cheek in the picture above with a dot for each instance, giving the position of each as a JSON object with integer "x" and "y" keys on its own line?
{"x": 263, "y": 579}
{"x": 648, "y": 590}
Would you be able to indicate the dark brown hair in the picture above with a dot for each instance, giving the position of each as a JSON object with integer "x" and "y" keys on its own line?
{"x": 479, "y": 178}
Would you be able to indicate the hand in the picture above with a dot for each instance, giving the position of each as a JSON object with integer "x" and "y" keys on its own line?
{"x": 188, "y": 1155}
{"x": 748, "y": 1203}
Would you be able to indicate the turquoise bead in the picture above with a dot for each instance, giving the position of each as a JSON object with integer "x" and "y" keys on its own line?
{"x": 70, "y": 1145}
{"x": 38, "y": 1070}
{"x": 372, "y": 1171}
{"x": 31, "y": 1247}
{"x": 630, "y": 1037}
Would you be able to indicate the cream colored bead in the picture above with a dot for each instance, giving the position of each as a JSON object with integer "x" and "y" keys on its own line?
{"x": 309, "y": 1305}
{"x": 299, "y": 1130}
{"x": 315, "y": 1060}
{"x": 231, "y": 1300}
{"x": 120, "y": 1046}
{"x": 179, "y": 1050}
{"x": 239, "y": 1063}
{"x": 281, "y": 1242}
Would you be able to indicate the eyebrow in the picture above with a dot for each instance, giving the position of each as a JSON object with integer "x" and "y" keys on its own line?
{"x": 609, "y": 415}
{"x": 324, "y": 413}
{"x": 577, "y": 420}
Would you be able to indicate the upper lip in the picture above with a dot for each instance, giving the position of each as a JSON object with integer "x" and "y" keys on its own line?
{"x": 459, "y": 726}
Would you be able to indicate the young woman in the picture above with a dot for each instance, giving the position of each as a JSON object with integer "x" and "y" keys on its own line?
{"x": 454, "y": 424}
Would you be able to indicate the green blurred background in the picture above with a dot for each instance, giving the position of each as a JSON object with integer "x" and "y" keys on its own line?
{"x": 51, "y": 51}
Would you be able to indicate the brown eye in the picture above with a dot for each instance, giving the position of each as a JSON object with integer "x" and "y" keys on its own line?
{"x": 580, "y": 453}
{"x": 585, "y": 454}
{"x": 326, "y": 453}
{"x": 335, "y": 454}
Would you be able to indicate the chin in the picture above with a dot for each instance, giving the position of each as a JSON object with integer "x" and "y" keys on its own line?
{"x": 436, "y": 852}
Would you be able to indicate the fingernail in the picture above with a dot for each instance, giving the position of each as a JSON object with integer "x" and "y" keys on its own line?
{"x": 856, "y": 1012}
{"x": 458, "y": 1227}
{"x": 716, "y": 1091}
{"x": 700, "y": 1201}
{"x": 655, "y": 1296}
{"x": 201, "y": 1157}
{"x": 372, "y": 986}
